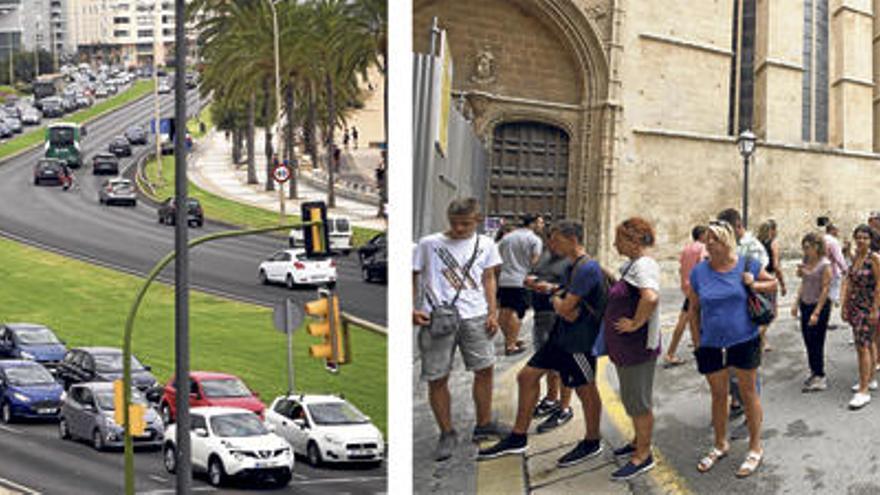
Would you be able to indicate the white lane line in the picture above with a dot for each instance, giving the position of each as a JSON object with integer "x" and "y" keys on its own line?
{"x": 10, "y": 429}
{"x": 158, "y": 478}
{"x": 300, "y": 476}
{"x": 339, "y": 480}
{"x": 172, "y": 492}
{"x": 15, "y": 486}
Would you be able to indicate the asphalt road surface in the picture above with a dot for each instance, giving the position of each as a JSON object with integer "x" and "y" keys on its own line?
{"x": 32, "y": 457}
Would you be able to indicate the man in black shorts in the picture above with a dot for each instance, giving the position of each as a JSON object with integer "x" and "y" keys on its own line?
{"x": 519, "y": 251}
{"x": 579, "y": 306}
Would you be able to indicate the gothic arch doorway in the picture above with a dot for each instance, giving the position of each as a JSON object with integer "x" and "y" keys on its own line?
{"x": 528, "y": 172}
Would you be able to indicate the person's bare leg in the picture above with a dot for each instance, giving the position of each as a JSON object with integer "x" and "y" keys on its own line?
{"x": 866, "y": 366}
{"x": 719, "y": 386}
{"x": 553, "y": 386}
{"x": 592, "y": 404}
{"x": 505, "y": 319}
{"x": 529, "y": 382}
{"x": 643, "y": 426}
{"x": 676, "y": 335}
{"x": 565, "y": 397}
{"x": 440, "y": 400}
{"x": 482, "y": 393}
{"x": 752, "y": 403}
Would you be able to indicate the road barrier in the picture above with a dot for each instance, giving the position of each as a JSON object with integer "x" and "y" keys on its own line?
{"x": 366, "y": 325}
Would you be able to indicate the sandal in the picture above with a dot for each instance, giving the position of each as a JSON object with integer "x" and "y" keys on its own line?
{"x": 750, "y": 465}
{"x": 708, "y": 462}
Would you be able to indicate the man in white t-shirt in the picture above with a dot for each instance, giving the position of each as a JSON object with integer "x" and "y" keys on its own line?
{"x": 458, "y": 267}
{"x": 519, "y": 252}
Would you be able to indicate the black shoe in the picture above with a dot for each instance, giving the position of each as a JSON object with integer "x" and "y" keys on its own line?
{"x": 545, "y": 408}
{"x": 557, "y": 419}
{"x": 512, "y": 444}
{"x": 489, "y": 430}
{"x": 735, "y": 412}
{"x": 628, "y": 449}
{"x": 585, "y": 449}
{"x": 740, "y": 431}
{"x": 631, "y": 470}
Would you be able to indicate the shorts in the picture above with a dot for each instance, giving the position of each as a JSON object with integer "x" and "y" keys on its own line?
{"x": 477, "y": 349}
{"x": 544, "y": 323}
{"x": 745, "y": 356}
{"x": 574, "y": 369}
{"x": 685, "y": 305}
{"x": 515, "y": 298}
{"x": 637, "y": 387}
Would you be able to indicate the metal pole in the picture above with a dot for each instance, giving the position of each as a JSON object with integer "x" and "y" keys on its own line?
{"x": 277, "y": 102}
{"x": 331, "y": 322}
{"x": 746, "y": 192}
{"x": 181, "y": 263}
{"x": 288, "y": 311}
{"x": 156, "y": 107}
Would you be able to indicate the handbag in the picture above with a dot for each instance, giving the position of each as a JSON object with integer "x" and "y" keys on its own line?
{"x": 445, "y": 317}
{"x": 759, "y": 307}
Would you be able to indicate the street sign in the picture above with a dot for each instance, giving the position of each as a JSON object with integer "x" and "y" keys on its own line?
{"x": 165, "y": 126}
{"x": 281, "y": 173}
{"x": 287, "y": 321}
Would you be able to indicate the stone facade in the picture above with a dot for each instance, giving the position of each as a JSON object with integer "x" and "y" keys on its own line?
{"x": 644, "y": 90}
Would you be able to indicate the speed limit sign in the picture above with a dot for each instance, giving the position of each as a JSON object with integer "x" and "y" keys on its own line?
{"x": 281, "y": 173}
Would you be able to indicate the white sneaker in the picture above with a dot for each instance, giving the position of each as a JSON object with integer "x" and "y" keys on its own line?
{"x": 872, "y": 385}
{"x": 815, "y": 384}
{"x": 859, "y": 401}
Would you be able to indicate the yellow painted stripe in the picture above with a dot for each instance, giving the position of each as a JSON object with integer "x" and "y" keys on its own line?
{"x": 505, "y": 475}
{"x": 663, "y": 474}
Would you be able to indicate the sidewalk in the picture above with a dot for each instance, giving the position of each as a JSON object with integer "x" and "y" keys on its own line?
{"x": 211, "y": 169}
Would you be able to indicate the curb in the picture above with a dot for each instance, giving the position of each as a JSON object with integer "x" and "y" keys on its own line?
{"x": 349, "y": 190}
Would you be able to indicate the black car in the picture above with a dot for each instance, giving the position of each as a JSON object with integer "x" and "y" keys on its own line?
{"x": 50, "y": 171}
{"x": 136, "y": 135}
{"x": 195, "y": 215}
{"x": 51, "y": 107}
{"x": 167, "y": 147}
{"x": 105, "y": 163}
{"x": 119, "y": 146}
{"x": 374, "y": 260}
{"x": 101, "y": 364}
{"x": 378, "y": 242}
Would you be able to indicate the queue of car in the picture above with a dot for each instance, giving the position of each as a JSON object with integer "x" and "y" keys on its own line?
{"x": 233, "y": 433}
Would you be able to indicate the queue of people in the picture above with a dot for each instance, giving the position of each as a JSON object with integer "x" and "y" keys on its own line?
{"x": 470, "y": 287}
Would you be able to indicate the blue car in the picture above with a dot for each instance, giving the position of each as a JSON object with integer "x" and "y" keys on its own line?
{"x": 28, "y": 390}
{"x": 32, "y": 342}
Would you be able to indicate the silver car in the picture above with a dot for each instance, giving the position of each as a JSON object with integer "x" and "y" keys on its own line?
{"x": 117, "y": 191}
{"x": 87, "y": 413}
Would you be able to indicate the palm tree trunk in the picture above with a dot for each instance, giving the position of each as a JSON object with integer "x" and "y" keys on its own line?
{"x": 311, "y": 119}
{"x": 288, "y": 137}
{"x": 236, "y": 146}
{"x": 331, "y": 163}
{"x": 267, "y": 143}
{"x": 251, "y": 158}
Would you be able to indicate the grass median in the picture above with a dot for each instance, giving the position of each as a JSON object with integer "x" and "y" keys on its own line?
{"x": 227, "y": 211}
{"x": 36, "y": 136}
{"x": 87, "y": 305}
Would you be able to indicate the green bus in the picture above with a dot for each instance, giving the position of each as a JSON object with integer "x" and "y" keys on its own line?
{"x": 63, "y": 142}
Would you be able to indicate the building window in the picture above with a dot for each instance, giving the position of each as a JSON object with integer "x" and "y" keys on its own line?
{"x": 814, "y": 93}
{"x": 120, "y": 34}
{"x": 121, "y": 20}
{"x": 742, "y": 71}
{"x": 145, "y": 33}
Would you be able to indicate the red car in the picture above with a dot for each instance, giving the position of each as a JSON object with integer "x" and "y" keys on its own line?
{"x": 208, "y": 388}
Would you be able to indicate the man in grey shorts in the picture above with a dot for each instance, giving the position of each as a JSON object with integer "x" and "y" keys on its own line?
{"x": 457, "y": 267}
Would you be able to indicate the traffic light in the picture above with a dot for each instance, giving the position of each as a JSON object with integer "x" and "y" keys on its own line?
{"x": 316, "y": 237}
{"x": 328, "y": 326}
{"x": 136, "y": 412}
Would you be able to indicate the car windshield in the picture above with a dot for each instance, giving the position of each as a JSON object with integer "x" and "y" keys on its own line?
{"x": 113, "y": 362}
{"x": 36, "y": 336}
{"x": 192, "y": 203}
{"x": 61, "y": 136}
{"x": 336, "y": 413}
{"x": 238, "y": 425}
{"x": 226, "y": 387}
{"x": 105, "y": 399}
{"x": 28, "y": 375}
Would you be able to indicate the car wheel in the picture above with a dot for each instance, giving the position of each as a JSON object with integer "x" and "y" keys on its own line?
{"x": 6, "y": 413}
{"x": 169, "y": 458}
{"x": 291, "y": 243}
{"x": 63, "y": 432}
{"x": 314, "y": 454}
{"x": 36, "y": 182}
{"x": 346, "y": 252}
{"x": 97, "y": 440}
{"x": 166, "y": 414}
{"x": 291, "y": 284}
{"x": 263, "y": 278}
{"x": 216, "y": 473}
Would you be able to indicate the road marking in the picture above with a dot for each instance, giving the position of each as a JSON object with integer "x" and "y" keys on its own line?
{"x": 340, "y": 480}
{"x": 664, "y": 475}
{"x": 172, "y": 492}
{"x": 10, "y": 429}
{"x": 300, "y": 476}
{"x": 15, "y": 486}
{"x": 158, "y": 478}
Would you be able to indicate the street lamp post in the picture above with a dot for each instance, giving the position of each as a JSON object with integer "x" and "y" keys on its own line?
{"x": 746, "y": 144}
{"x": 277, "y": 100}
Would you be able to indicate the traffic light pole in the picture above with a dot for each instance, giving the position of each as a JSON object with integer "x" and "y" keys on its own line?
{"x": 129, "y": 330}
{"x": 288, "y": 310}
{"x": 331, "y": 319}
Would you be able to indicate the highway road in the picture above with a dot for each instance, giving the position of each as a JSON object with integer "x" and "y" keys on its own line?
{"x": 131, "y": 240}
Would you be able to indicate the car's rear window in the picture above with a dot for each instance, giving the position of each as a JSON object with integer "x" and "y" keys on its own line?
{"x": 340, "y": 225}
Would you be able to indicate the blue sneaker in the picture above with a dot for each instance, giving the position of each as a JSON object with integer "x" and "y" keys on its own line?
{"x": 628, "y": 449}
{"x": 631, "y": 470}
{"x": 585, "y": 449}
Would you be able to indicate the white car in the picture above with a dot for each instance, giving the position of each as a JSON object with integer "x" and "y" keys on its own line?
{"x": 292, "y": 268}
{"x": 326, "y": 428}
{"x": 228, "y": 442}
{"x": 338, "y": 229}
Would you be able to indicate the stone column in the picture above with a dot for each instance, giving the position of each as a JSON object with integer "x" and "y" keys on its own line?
{"x": 876, "y": 60}
{"x": 852, "y": 80}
